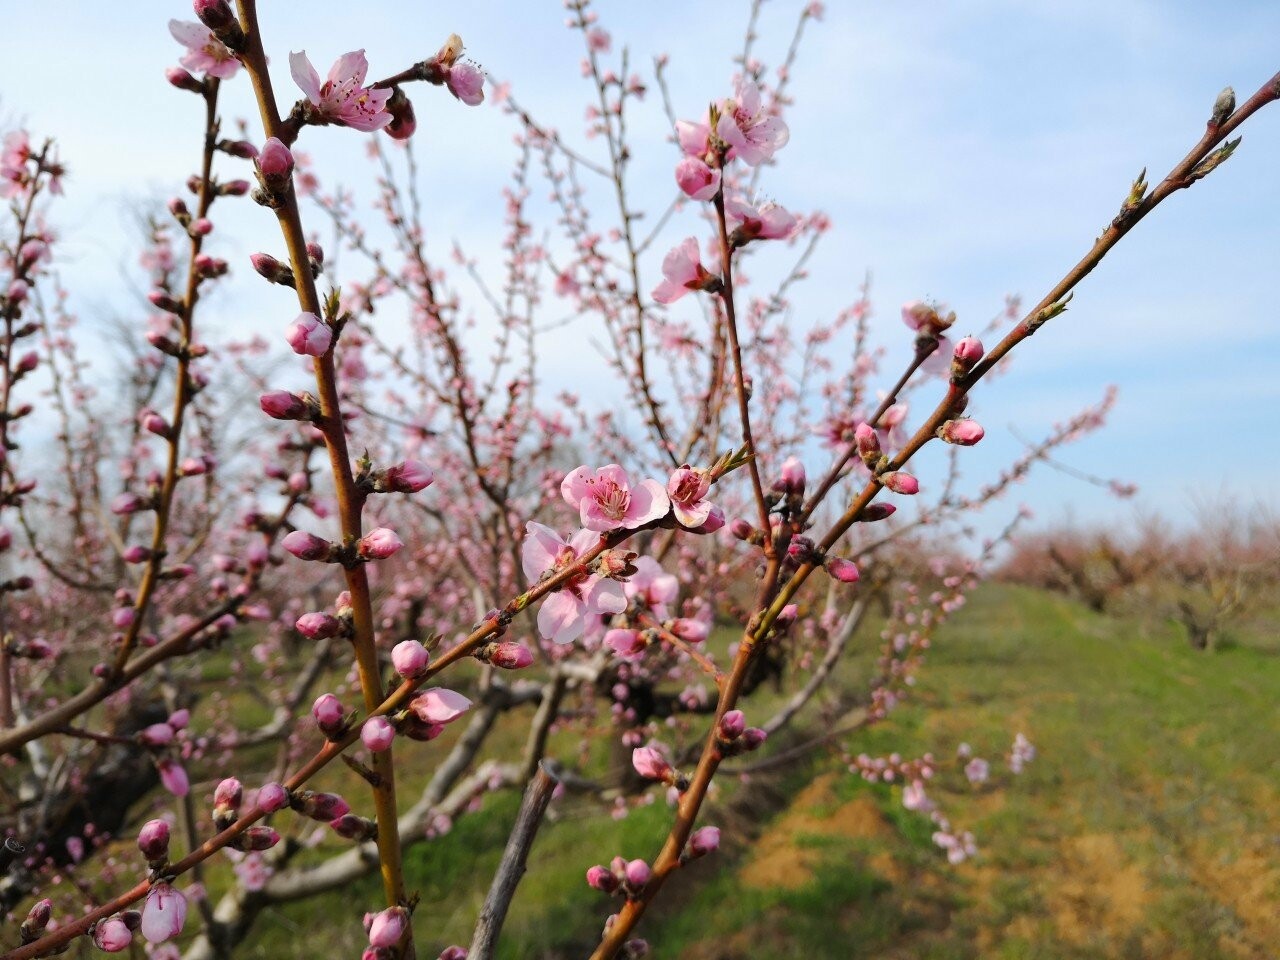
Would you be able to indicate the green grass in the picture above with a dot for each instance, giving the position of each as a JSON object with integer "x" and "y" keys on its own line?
{"x": 1148, "y": 826}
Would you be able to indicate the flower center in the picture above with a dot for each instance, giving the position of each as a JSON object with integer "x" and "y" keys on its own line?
{"x": 612, "y": 499}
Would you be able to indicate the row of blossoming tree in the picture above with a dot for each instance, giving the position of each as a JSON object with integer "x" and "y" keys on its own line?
{"x": 430, "y": 541}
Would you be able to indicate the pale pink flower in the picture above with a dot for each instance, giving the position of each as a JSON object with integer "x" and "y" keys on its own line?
{"x": 914, "y": 798}
{"x": 205, "y": 52}
{"x": 309, "y": 336}
{"x": 164, "y": 913}
{"x": 466, "y": 82}
{"x": 696, "y": 179}
{"x": 598, "y": 40}
{"x": 606, "y": 500}
{"x": 682, "y": 271}
{"x": 753, "y": 134}
{"x": 977, "y": 770}
{"x": 768, "y": 221}
{"x": 650, "y": 763}
{"x": 343, "y": 98}
{"x": 652, "y": 586}
{"x": 563, "y": 615}
{"x": 687, "y": 489}
{"x": 693, "y": 138}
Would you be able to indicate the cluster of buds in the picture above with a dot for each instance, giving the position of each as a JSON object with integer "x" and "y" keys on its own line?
{"x": 622, "y": 877}
{"x": 733, "y": 736}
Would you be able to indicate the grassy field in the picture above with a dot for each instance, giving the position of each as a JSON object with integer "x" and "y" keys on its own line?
{"x": 1148, "y": 826}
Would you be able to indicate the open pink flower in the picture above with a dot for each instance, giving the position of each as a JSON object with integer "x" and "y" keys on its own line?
{"x": 343, "y": 98}
{"x": 563, "y": 615}
{"x": 682, "y": 271}
{"x": 652, "y": 586}
{"x": 768, "y": 221}
{"x": 606, "y": 499}
{"x": 694, "y": 138}
{"x": 753, "y": 135}
{"x": 205, "y": 52}
{"x": 687, "y": 488}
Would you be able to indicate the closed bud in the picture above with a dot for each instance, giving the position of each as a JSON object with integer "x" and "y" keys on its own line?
{"x": 409, "y": 476}
{"x": 868, "y": 443}
{"x": 161, "y": 300}
{"x": 315, "y": 253}
{"x": 330, "y": 716}
{"x": 272, "y": 797}
{"x": 403, "y": 121}
{"x": 226, "y": 798}
{"x": 741, "y": 529}
{"x": 694, "y": 631}
{"x": 351, "y": 827}
{"x": 324, "y": 807}
{"x": 1223, "y": 107}
{"x": 183, "y": 80}
{"x": 112, "y": 935}
{"x": 410, "y": 658}
{"x": 275, "y": 164}
{"x": 377, "y": 734}
{"x": 439, "y": 706}
{"x": 967, "y": 353}
{"x": 510, "y": 655}
{"x": 787, "y": 616}
{"x": 651, "y": 764}
{"x": 379, "y": 544}
{"x": 753, "y": 737}
{"x": 136, "y": 554}
{"x": 258, "y": 838}
{"x": 318, "y": 626}
{"x": 792, "y": 480}
{"x": 388, "y": 927}
{"x": 964, "y": 433}
{"x": 731, "y": 725}
{"x": 877, "y": 511}
{"x": 703, "y": 841}
{"x": 234, "y": 188}
{"x": 239, "y": 148}
{"x": 637, "y": 873}
{"x": 283, "y": 405}
{"x": 602, "y": 878}
{"x": 846, "y": 571}
{"x": 37, "y": 919}
{"x": 214, "y": 14}
{"x": 272, "y": 269}
{"x": 307, "y": 546}
{"x": 202, "y": 227}
{"x": 899, "y": 482}
{"x": 153, "y": 840}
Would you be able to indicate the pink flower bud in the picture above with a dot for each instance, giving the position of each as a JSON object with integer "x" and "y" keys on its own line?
{"x": 602, "y": 878}
{"x": 650, "y": 763}
{"x": 352, "y": 827}
{"x": 715, "y": 520}
{"x": 234, "y": 188}
{"x": 164, "y": 913}
{"x": 18, "y": 291}
{"x": 438, "y": 705}
{"x": 466, "y": 82}
{"x": 899, "y": 482}
{"x": 703, "y": 841}
{"x": 275, "y": 163}
{"x": 696, "y": 179}
{"x": 272, "y": 269}
{"x": 877, "y": 511}
{"x": 510, "y": 655}
{"x": 258, "y": 838}
{"x": 403, "y": 120}
{"x": 787, "y": 615}
{"x": 868, "y": 442}
{"x": 112, "y": 935}
{"x": 388, "y": 927}
{"x": 324, "y": 807}
{"x": 968, "y": 352}
{"x": 410, "y": 658}
{"x": 156, "y": 735}
{"x": 318, "y": 626}
{"x": 731, "y": 725}
{"x": 182, "y": 79}
{"x": 37, "y": 919}
{"x": 309, "y": 335}
{"x": 964, "y": 433}
{"x": 379, "y": 544}
{"x": 377, "y": 734}
{"x": 306, "y": 546}
{"x": 792, "y": 480}
{"x": 214, "y": 14}
{"x": 409, "y": 477}
{"x": 315, "y": 253}
{"x": 627, "y": 644}
{"x": 753, "y": 737}
{"x": 154, "y": 423}
{"x": 741, "y": 529}
{"x": 637, "y": 873}
{"x": 179, "y": 719}
{"x": 153, "y": 840}
{"x": 694, "y": 631}
{"x": 136, "y": 554}
{"x": 201, "y": 227}
{"x": 272, "y": 797}
{"x": 846, "y": 571}
{"x": 174, "y": 777}
{"x": 283, "y": 405}
{"x": 28, "y": 362}
{"x": 453, "y": 953}
{"x": 329, "y": 714}
{"x": 227, "y": 796}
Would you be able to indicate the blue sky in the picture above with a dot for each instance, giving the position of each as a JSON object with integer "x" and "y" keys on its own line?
{"x": 964, "y": 151}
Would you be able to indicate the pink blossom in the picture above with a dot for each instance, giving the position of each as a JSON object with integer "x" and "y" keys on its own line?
{"x": 563, "y": 615}
{"x": 691, "y": 630}
{"x": 309, "y": 335}
{"x": 606, "y": 500}
{"x": 205, "y": 52}
{"x": 696, "y": 179}
{"x": 439, "y": 705}
{"x": 753, "y": 135}
{"x": 652, "y": 586}
{"x": 627, "y": 644}
{"x": 914, "y": 798}
{"x": 343, "y": 98}
{"x": 977, "y": 770}
{"x": 927, "y": 319}
{"x": 693, "y": 138}
{"x": 768, "y": 221}
{"x": 598, "y": 40}
{"x": 466, "y": 82}
{"x": 164, "y": 913}
{"x": 682, "y": 271}
{"x": 686, "y": 489}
